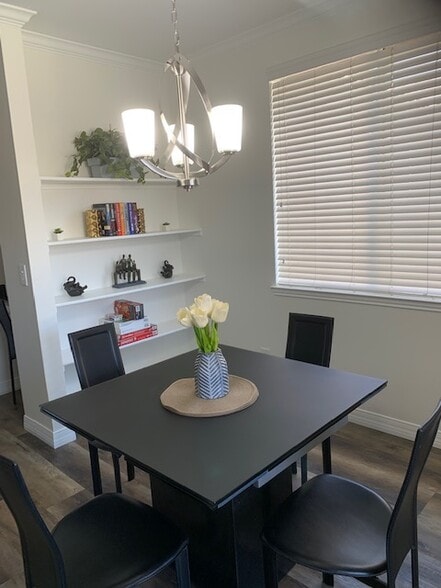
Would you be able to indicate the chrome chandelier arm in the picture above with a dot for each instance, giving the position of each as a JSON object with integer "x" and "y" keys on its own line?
{"x": 180, "y": 136}
{"x": 182, "y": 69}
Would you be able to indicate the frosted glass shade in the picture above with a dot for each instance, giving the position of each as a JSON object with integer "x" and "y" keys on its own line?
{"x": 177, "y": 156}
{"x": 226, "y": 122}
{"x": 139, "y": 129}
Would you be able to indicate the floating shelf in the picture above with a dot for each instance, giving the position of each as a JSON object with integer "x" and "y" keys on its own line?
{"x": 101, "y": 293}
{"x": 149, "y": 234}
{"x": 154, "y": 181}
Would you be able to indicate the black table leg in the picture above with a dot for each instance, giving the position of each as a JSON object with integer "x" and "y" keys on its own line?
{"x": 225, "y": 546}
{"x": 95, "y": 468}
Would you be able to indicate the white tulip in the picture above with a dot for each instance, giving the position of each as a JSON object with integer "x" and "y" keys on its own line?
{"x": 184, "y": 317}
{"x": 219, "y": 312}
{"x": 204, "y": 302}
{"x": 199, "y": 316}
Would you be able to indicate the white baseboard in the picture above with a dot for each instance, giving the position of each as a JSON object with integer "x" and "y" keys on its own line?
{"x": 389, "y": 425}
{"x": 54, "y": 439}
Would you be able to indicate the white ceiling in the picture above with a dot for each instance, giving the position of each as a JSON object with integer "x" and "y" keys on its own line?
{"x": 143, "y": 27}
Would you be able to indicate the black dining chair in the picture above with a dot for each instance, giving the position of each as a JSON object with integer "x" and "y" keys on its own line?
{"x": 97, "y": 358}
{"x": 5, "y": 321}
{"x": 310, "y": 340}
{"x": 340, "y": 527}
{"x": 110, "y": 541}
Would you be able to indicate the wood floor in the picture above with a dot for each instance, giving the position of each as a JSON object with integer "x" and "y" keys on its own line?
{"x": 59, "y": 480}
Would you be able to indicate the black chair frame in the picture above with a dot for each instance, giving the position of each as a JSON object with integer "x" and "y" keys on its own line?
{"x": 382, "y": 531}
{"x": 97, "y": 358}
{"x": 316, "y": 349}
{"x": 5, "y": 321}
{"x": 112, "y": 540}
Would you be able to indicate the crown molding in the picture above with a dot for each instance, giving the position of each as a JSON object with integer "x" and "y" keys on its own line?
{"x": 311, "y": 10}
{"x": 14, "y": 16}
{"x": 88, "y": 52}
{"x": 386, "y": 37}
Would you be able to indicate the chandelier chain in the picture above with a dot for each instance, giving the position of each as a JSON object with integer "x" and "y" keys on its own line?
{"x": 174, "y": 16}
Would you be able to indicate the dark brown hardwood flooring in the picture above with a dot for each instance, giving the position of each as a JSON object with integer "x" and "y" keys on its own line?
{"x": 59, "y": 480}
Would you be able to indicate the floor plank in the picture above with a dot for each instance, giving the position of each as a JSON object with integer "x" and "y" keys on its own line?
{"x": 59, "y": 480}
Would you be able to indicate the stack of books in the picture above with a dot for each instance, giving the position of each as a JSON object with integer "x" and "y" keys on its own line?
{"x": 132, "y": 331}
{"x": 130, "y": 323}
{"x": 112, "y": 219}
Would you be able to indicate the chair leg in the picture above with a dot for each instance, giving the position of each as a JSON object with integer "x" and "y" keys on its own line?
{"x": 183, "y": 569}
{"x": 415, "y": 571}
{"x": 11, "y": 369}
{"x": 304, "y": 467}
{"x": 270, "y": 567}
{"x": 130, "y": 470}
{"x": 326, "y": 454}
{"x": 328, "y": 579}
{"x": 95, "y": 469}
{"x": 117, "y": 472}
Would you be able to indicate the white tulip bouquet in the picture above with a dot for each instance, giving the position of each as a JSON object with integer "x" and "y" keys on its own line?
{"x": 204, "y": 315}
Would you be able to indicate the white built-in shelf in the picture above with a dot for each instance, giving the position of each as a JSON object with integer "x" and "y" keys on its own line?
{"x": 149, "y": 234}
{"x": 101, "y": 293}
{"x": 164, "y": 329}
{"x": 76, "y": 180}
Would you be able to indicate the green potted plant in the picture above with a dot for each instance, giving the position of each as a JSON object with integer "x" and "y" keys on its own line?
{"x": 106, "y": 153}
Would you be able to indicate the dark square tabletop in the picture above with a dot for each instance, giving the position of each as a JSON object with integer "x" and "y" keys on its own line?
{"x": 214, "y": 458}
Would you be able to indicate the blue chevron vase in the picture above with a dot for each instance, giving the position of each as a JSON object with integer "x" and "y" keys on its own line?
{"x": 211, "y": 375}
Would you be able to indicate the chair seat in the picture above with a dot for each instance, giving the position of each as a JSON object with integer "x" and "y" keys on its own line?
{"x": 101, "y": 549}
{"x": 333, "y": 525}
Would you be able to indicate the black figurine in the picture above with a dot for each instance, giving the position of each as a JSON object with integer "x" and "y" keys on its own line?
{"x": 73, "y": 287}
{"x": 167, "y": 270}
{"x": 126, "y": 273}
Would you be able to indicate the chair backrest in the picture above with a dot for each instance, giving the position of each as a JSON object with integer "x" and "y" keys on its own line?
{"x": 3, "y": 293}
{"x": 310, "y": 338}
{"x": 5, "y": 322}
{"x": 96, "y": 354}
{"x": 43, "y": 564}
{"x": 402, "y": 531}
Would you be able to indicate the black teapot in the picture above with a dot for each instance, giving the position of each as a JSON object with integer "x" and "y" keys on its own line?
{"x": 72, "y": 287}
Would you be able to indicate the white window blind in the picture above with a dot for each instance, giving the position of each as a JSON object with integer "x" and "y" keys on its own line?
{"x": 357, "y": 173}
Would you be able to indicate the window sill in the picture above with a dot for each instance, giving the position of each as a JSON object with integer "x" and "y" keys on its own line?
{"x": 353, "y": 298}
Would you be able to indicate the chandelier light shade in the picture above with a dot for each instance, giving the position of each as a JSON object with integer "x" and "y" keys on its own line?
{"x": 139, "y": 128}
{"x": 226, "y": 122}
{"x": 179, "y": 159}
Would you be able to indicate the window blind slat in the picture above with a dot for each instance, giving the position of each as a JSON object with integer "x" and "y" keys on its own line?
{"x": 357, "y": 173}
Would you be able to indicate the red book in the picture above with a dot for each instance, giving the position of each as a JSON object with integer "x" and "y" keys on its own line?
{"x": 138, "y": 335}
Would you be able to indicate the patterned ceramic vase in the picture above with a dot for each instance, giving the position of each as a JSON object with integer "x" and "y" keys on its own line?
{"x": 211, "y": 375}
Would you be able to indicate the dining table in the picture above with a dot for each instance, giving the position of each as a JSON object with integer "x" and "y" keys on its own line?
{"x": 220, "y": 477}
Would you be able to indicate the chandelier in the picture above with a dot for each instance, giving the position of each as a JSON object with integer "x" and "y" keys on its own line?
{"x": 179, "y": 159}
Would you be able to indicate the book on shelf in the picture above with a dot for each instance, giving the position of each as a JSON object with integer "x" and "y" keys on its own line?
{"x": 140, "y": 219}
{"x": 128, "y": 326}
{"x": 93, "y": 224}
{"x": 129, "y": 309}
{"x": 140, "y": 335}
{"x": 111, "y": 219}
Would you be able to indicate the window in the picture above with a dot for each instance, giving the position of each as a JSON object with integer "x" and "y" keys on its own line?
{"x": 357, "y": 174}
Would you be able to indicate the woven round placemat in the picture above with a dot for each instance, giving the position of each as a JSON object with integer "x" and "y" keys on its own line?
{"x": 180, "y": 398}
